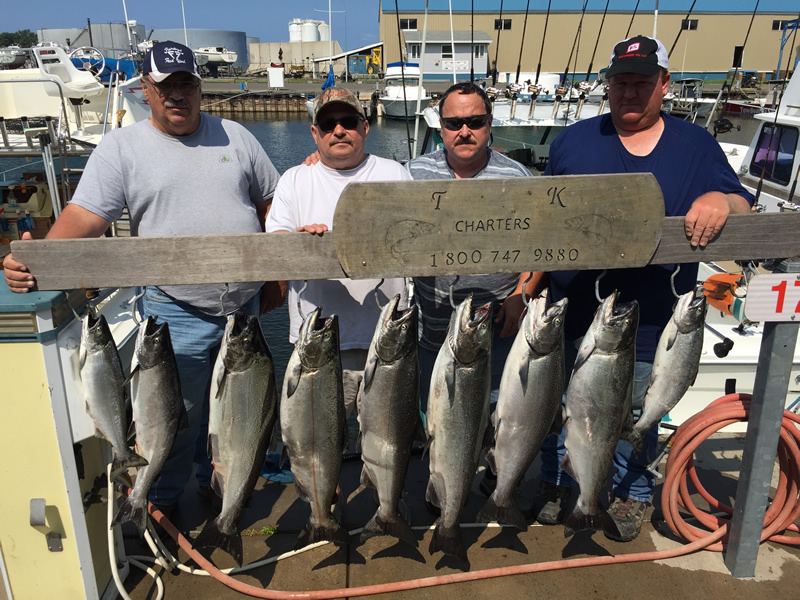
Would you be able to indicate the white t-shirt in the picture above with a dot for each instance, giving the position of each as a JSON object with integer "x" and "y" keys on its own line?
{"x": 307, "y": 195}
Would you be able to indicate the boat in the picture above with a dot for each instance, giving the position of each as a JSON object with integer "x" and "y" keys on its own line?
{"x": 686, "y": 99}
{"x": 401, "y": 87}
{"x": 216, "y": 55}
{"x": 12, "y": 57}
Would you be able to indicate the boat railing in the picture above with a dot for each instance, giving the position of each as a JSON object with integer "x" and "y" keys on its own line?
{"x": 63, "y": 119}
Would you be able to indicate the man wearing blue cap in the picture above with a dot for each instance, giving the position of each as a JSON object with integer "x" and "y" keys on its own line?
{"x": 697, "y": 183}
{"x": 181, "y": 172}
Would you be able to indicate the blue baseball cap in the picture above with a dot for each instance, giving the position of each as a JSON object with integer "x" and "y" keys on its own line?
{"x": 166, "y": 58}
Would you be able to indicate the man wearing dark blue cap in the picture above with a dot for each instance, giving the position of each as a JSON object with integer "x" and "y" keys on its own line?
{"x": 181, "y": 172}
{"x": 698, "y": 183}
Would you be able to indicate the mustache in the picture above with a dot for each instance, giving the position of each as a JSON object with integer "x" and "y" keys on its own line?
{"x": 176, "y": 104}
{"x": 465, "y": 142}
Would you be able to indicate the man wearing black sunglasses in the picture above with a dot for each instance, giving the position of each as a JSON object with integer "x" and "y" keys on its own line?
{"x": 306, "y": 199}
{"x": 465, "y": 116}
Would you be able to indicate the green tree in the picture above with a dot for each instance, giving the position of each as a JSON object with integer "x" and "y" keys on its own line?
{"x": 23, "y": 38}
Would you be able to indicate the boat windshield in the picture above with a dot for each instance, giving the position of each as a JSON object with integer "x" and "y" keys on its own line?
{"x": 775, "y": 153}
{"x": 399, "y": 82}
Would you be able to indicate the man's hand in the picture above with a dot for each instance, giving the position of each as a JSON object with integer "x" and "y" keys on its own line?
{"x": 311, "y": 159}
{"x": 509, "y": 315}
{"x": 273, "y": 295}
{"x": 318, "y": 228}
{"x": 709, "y": 213}
{"x": 17, "y": 276}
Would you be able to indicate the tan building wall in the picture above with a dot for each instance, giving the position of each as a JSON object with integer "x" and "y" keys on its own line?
{"x": 709, "y": 48}
{"x": 297, "y": 54}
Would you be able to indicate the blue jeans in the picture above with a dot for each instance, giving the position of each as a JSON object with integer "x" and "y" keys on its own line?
{"x": 196, "y": 338}
{"x": 631, "y": 477}
{"x": 500, "y": 349}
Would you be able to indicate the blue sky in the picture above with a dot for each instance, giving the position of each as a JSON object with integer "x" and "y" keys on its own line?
{"x": 355, "y": 22}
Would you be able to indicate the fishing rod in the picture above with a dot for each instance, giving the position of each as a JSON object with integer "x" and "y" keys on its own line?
{"x": 574, "y": 70}
{"x": 597, "y": 41}
{"x": 403, "y": 79}
{"x": 794, "y": 184}
{"x": 680, "y": 29}
{"x": 522, "y": 43}
{"x": 497, "y": 48}
{"x": 471, "y": 41}
{"x": 726, "y": 87}
{"x": 575, "y": 42}
{"x": 635, "y": 8}
{"x": 544, "y": 36}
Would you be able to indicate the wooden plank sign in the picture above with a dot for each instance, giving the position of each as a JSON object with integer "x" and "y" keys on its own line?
{"x": 453, "y": 227}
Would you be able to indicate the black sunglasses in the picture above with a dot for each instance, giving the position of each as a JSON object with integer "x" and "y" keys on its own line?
{"x": 186, "y": 87}
{"x": 349, "y": 122}
{"x": 473, "y": 122}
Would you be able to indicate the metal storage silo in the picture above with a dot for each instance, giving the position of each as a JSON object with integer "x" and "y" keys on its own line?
{"x": 296, "y": 30}
{"x": 310, "y": 31}
{"x": 324, "y": 32}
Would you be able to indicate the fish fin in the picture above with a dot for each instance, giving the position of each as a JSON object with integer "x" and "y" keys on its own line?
{"x": 435, "y": 492}
{"x": 490, "y": 460}
{"x": 420, "y": 435}
{"x": 583, "y": 355}
{"x": 219, "y": 382}
{"x": 636, "y": 438}
{"x": 369, "y": 371}
{"x": 123, "y": 463}
{"x": 672, "y": 338}
{"x": 579, "y": 521}
{"x": 566, "y": 465}
{"x": 428, "y": 445}
{"x": 358, "y": 440}
{"x": 488, "y": 437}
{"x": 135, "y": 514}
{"x": 213, "y": 537}
{"x": 329, "y": 531}
{"x": 396, "y": 527}
{"x": 450, "y": 380}
{"x": 293, "y": 379}
{"x": 449, "y": 541}
{"x": 218, "y": 483}
{"x": 131, "y": 431}
{"x": 523, "y": 373}
{"x": 366, "y": 477}
{"x": 509, "y": 515}
{"x": 183, "y": 419}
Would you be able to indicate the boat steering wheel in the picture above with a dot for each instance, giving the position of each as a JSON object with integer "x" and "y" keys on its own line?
{"x": 86, "y": 54}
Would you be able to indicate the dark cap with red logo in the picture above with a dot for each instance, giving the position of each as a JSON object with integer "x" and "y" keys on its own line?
{"x": 641, "y": 55}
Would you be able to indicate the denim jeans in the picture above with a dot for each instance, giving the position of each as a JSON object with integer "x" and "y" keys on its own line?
{"x": 631, "y": 477}
{"x": 500, "y": 349}
{"x": 196, "y": 338}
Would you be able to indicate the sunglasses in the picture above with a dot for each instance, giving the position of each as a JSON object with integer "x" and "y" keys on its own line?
{"x": 473, "y": 122}
{"x": 186, "y": 87}
{"x": 349, "y": 122}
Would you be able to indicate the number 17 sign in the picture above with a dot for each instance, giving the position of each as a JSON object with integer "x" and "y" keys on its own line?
{"x": 774, "y": 297}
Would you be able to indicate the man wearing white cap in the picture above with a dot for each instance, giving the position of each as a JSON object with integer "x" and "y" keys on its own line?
{"x": 697, "y": 183}
{"x": 181, "y": 172}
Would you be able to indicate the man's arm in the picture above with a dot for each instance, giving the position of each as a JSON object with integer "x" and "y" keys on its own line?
{"x": 74, "y": 222}
{"x": 513, "y": 307}
{"x": 709, "y": 213}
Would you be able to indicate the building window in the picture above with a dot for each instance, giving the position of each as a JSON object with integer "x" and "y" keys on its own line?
{"x": 408, "y": 24}
{"x": 480, "y": 51}
{"x": 689, "y": 24}
{"x": 447, "y": 50}
{"x": 777, "y": 25}
{"x": 413, "y": 51}
{"x": 502, "y": 24}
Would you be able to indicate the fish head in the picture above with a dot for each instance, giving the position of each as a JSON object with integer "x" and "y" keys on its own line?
{"x": 243, "y": 340}
{"x": 615, "y": 323}
{"x": 318, "y": 341}
{"x": 397, "y": 331}
{"x": 470, "y": 334}
{"x": 690, "y": 312}
{"x": 153, "y": 343}
{"x": 544, "y": 324}
{"x": 95, "y": 333}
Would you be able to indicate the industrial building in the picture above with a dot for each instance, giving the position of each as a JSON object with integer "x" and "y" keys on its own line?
{"x": 309, "y": 44}
{"x": 710, "y": 36}
{"x": 112, "y": 39}
{"x": 236, "y": 41}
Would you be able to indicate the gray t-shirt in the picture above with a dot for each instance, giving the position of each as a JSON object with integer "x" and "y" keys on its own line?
{"x": 432, "y": 293}
{"x": 208, "y": 182}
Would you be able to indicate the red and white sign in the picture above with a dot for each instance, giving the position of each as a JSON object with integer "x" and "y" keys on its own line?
{"x": 774, "y": 297}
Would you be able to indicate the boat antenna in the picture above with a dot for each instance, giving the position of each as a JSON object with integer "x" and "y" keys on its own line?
{"x": 522, "y": 43}
{"x": 128, "y": 29}
{"x": 635, "y": 8}
{"x": 452, "y": 43}
{"x": 575, "y": 42}
{"x": 403, "y": 77}
{"x": 544, "y": 36}
{"x": 597, "y": 41}
{"x": 680, "y": 29}
{"x": 185, "y": 35}
{"x": 471, "y": 39}
{"x": 419, "y": 87}
{"x": 497, "y": 48}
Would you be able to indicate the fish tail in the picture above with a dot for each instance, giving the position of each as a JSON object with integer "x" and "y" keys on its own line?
{"x": 510, "y": 515}
{"x": 328, "y": 531}
{"x": 449, "y": 541}
{"x": 598, "y": 521}
{"x": 213, "y": 537}
{"x": 396, "y": 527}
{"x": 127, "y": 461}
{"x": 133, "y": 513}
{"x": 636, "y": 438}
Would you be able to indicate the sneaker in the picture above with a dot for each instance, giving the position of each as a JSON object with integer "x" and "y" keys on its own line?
{"x": 489, "y": 483}
{"x": 628, "y": 514}
{"x": 551, "y": 502}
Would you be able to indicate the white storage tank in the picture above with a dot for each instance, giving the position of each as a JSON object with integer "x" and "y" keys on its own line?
{"x": 310, "y": 31}
{"x": 296, "y": 30}
{"x": 324, "y": 32}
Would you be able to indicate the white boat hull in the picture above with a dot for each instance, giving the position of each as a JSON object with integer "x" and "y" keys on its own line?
{"x": 399, "y": 109}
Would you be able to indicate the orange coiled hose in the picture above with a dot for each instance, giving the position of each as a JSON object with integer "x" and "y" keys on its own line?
{"x": 782, "y": 511}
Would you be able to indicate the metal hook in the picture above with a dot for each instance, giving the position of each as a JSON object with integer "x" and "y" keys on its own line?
{"x": 300, "y": 293}
{"x": 672, "y": 280}
{"x": 133, "y": 302}
{"x": 222, "y": 298}
{"x": 377, "y": 300}
{"x": 597, "y": 285}
{"x": 524, "y": 285}
{"x": 455, "y": 281}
